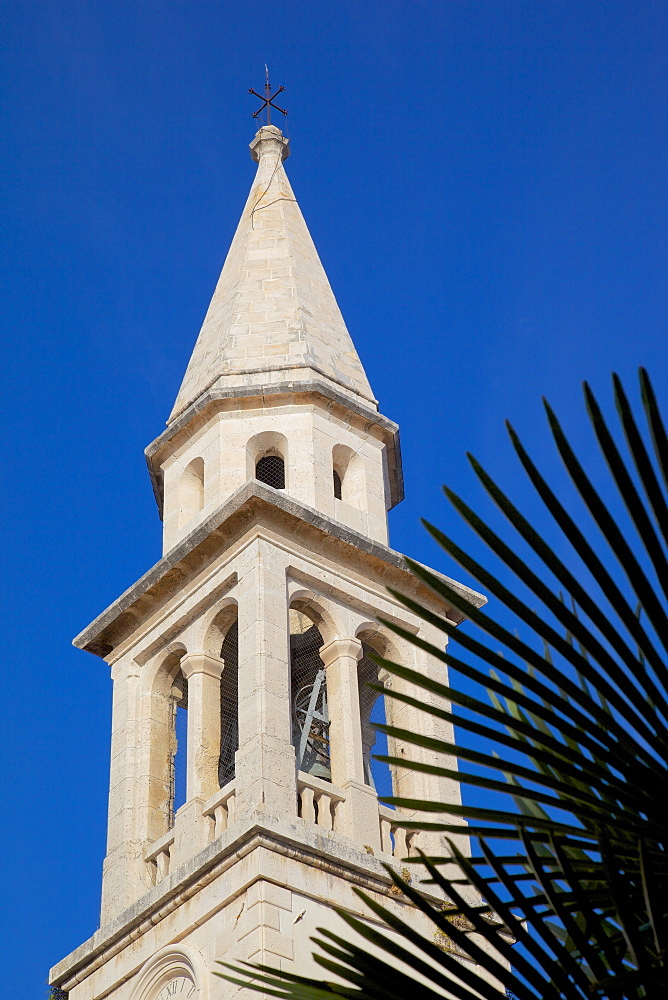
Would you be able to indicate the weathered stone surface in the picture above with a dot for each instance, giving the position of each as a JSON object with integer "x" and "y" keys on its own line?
{"x": 261, "y": 865}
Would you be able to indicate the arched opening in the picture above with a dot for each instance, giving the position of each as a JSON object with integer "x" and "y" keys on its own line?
{"x": 270, "y": 469}
{"x": 349, "y": 482}
{"x": 167, "y": 687}
{"x": 377, "y": 774}
{"x": 229, "y": 705}
{"x": 178, "y": 761}
{"x": 310, "y": 717}
{"x": 191, "y": 491}
{"x": 267, "y": 459}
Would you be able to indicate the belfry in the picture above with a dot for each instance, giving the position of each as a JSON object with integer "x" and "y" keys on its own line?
{"x": 242, "y": 658}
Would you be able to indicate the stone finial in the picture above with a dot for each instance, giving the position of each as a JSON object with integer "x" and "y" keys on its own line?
{"x": 269, "y": 140}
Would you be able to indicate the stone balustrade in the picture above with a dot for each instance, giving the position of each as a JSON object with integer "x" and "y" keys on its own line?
{"x": 220, "y": 810}
{"x": 318, "y": 800}
{"x": 393, "y": 839}
{"x": 158, "y": 856}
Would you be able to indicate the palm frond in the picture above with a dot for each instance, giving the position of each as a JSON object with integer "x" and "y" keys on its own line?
{"x": 566, "y": 893}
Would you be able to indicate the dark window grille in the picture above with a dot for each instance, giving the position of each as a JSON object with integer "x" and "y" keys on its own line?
{"x": 310, "y": 718}
{"x": 271, "y": 470}
{"x": 229, "y": 705}
{"x": 337, "y": 484}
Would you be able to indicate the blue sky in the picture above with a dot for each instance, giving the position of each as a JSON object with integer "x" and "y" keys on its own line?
{"x": 485, "y": 182}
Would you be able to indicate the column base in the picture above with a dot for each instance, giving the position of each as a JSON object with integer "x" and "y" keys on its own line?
{"x": 359, "y": 815}
{"x": 266, "y": 779}
{"x": 191, "y": 833}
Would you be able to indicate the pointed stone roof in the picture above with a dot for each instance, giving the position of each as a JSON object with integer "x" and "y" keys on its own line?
{"x": 273, "y": 313}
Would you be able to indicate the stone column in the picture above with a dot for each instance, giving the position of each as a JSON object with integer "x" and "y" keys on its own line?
{"x": 265, "y": 760}
{"x": 202, "y": 673}
{"x": 124, "y": 877}
{"x": 359, "y": 812}
{"x": 418, "y": 785}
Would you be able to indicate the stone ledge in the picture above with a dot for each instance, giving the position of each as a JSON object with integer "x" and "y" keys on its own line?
{"x": 291, "y": 388}
{"x": 295, "y": 839}
{"x": 225, "y": 523}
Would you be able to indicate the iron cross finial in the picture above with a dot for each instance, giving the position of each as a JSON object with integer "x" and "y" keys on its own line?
{"x": 268, "y": 99}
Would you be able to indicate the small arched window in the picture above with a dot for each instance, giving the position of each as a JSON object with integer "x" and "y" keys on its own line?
{"x": 271, "y": 470}
{"x": 349, "y": 477}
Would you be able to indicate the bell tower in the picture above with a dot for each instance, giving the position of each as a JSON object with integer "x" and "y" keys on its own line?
{"x": 241, "y": 659}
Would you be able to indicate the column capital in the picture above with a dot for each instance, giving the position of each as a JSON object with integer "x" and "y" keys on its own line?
{"x": 201, "y": 663}
{"x": 334, "y": 650}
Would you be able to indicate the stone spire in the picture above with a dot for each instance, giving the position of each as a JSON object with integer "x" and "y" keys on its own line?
{"x": 273, "y": 313}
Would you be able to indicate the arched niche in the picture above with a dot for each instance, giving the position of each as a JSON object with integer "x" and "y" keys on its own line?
{"x": 349, "y": 476}
{"x": 215, "y": 626}
{"x": 191, "y": 491}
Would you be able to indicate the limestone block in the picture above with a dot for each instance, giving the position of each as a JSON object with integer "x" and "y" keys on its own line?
{"x": 270, "y": 892}
{"x": 265, "y": 759}
{"x": 259, "y": 914}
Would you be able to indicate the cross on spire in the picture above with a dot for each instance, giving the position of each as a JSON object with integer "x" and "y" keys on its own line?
{"x": 268, "y": 99}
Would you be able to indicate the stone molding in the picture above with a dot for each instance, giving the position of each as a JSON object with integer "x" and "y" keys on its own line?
{"x": 340, "y": 647}
{"x": 295, "y": 389}
{"x": 245, "y": 507}
{"x": 201, "y": 663}
{"x": 334, "y": 854}
{"x": 169, "y": 962}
